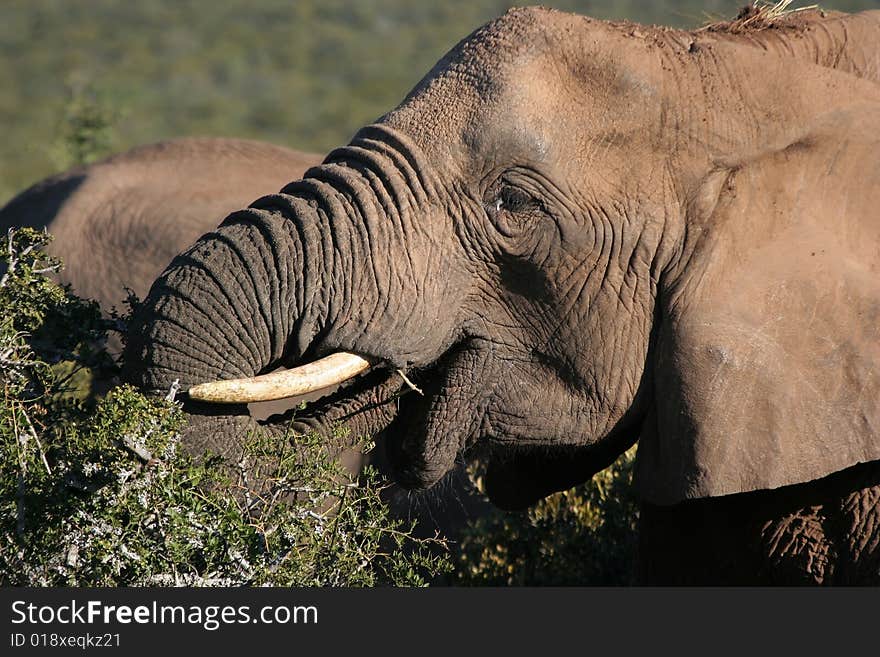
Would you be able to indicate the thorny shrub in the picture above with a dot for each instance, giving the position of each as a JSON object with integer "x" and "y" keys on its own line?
{"x": 96, "y": 491}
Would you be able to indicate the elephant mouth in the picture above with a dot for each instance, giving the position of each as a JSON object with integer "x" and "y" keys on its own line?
{"x": 406, "y": 412}
{"x": 416, "y": 445}
{"x": 442, "y": 422}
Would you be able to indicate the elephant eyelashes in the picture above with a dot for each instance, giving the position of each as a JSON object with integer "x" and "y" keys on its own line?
{"x": 513, "y": 199}
{"x": 512, "y": 209}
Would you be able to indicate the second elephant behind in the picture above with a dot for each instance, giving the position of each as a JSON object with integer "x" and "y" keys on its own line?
{"x": 117, "y": 223}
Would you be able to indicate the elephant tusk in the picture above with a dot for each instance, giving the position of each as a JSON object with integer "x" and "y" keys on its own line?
{"x": 322, "y": 373}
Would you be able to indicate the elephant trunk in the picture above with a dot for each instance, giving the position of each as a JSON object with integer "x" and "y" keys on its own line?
{"x": 300, "y": 274}
{"x": 219, "y": 311}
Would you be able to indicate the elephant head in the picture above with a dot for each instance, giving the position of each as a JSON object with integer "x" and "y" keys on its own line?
{"x": 570, "y": 234}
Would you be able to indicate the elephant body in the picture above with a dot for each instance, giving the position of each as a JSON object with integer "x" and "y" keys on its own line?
{"x": 569, "y": 236}
{"x": 822, "y": 532}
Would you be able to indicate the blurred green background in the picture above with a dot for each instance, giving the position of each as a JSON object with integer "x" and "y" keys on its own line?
{"x": 302, "y": 73}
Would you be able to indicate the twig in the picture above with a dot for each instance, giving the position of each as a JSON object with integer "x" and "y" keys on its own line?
{"x": 173, "y": 390}
{"x": 11, "y": 251}
{"x": 20, "y": 489}
{"x": 19, "y": 505}
{"x": 246, "y": 486}
{"x": 760, "y": 15}
{"x": 412, "y": 385}
{"x": 36, "y": 438}
{"x": 15, "y": 258}
{"x": 138, "y": 449}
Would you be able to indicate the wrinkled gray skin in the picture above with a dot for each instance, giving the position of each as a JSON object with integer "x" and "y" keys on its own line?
{"x": 574, "y": 234}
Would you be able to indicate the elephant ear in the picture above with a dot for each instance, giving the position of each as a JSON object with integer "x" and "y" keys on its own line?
{"x": 767, "y": 357}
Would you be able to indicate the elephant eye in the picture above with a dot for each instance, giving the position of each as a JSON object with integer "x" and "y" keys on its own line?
{"x": 513, "y": 210}
{"x": 514, "y": 199}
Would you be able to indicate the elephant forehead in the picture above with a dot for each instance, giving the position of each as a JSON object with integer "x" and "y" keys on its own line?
{"x": 554, "y": 109}
{"x": 459, "y": 89}
{"x": 518, "y": 84}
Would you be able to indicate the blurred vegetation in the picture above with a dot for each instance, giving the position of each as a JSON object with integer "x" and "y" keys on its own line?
{"x": 87, "y": 129}
{"x": 301, "y": 73}
{"x": 583, "y": 536}
{"x": 97, "y": 492}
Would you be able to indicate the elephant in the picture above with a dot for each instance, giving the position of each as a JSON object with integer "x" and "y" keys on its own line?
{"x": 574, "y": 235}
{"x": 117, "y": 223}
